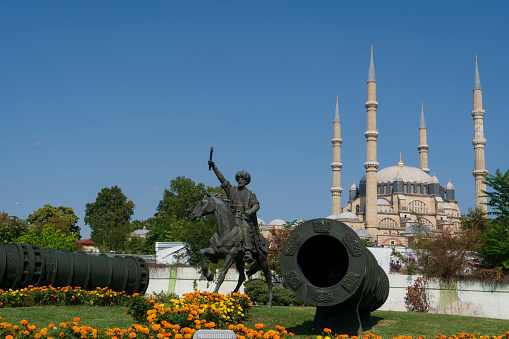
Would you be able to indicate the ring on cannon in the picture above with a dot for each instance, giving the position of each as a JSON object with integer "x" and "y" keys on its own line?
{"x": 326, "y": 264}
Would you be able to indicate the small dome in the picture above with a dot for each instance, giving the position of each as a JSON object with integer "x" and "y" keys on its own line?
{"x": 353, "y": 187}
{"x": 449, "y": 186}
{"x": 362, "y": 233}
{"x": 434, "y": 180}
{"x": 415, "y": 228}
{"x": 363, "y": 179}
{"x": 261, "y": 222}
{"x": 277, "y": 222}
{"x": 448, "y": 207}
{"x": 347, "y": 216}
{"x": 383, "y": 202}
{"x": 332, "y": 216}
{"x": 398, "y": 177}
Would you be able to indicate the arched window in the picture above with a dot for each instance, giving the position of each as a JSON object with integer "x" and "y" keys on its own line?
{"x": 388, "y": 223}
{"x": 418, "y": 206}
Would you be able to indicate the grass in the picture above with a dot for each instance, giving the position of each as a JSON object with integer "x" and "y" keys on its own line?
{"x": 298, "y": 320}
{"x": 97, "y": 317}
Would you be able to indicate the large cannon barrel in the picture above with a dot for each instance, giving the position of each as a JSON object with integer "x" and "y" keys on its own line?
{"x": 22, "y": 265}
{"x": 326, "y": 264}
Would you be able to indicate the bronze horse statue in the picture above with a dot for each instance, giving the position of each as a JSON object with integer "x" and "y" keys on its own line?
{"x": 226, "y": 244}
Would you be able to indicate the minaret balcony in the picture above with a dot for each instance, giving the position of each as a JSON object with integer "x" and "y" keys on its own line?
{"x": 371, "y": 104}
{"x": 336, "y": 190}
{"x": 337, "y": 141}
{"x": 479, "y": 142}
{"x": 371, "y": 165}
{"x": 477, "y": 113}
{"x": 336, "y": 165}
{"x": 371, "y": 134}
{"x": 422, "y": 146}
{"x": 479, "y": 173}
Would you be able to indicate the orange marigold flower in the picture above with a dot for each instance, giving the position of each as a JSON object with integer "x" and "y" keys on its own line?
{"x": 132, "y": 335}
{"x": 62, "y": 334}
{"x": 327, "y": 330}
{"x": 23, "y": 322}
{"x": 9, "y": 337}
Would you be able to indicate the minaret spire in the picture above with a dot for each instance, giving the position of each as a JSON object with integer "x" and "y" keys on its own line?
{"x": 423, "y": 143}
{"x": 479, "y": 142}
{"x": 371, "y": 74}
{"x": 371, "y": 164}
{"x": 336, "y": 164}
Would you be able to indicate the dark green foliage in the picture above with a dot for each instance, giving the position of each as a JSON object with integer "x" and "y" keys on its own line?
{"x": 10, "y": 230}
{"x": 171, "y": 222}
{"x": 109, "y": 218}
{"x": 495, "y": 251}
{"x": 258, "y": 292}
{"x": 180, "y": 200}
{"x": 61, "y": 218}
{"x": 50, "y": 237}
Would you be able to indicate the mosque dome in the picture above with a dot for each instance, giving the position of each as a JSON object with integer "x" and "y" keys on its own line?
{"x": 407, "y": 173}
{"x": 382, "y": 202}
{"x": 353, "y": 187}
{"x": 261, "y": 222}
{"x": 434, "y": 180}
{"x": 277, "y": 222}
{"x": 332, "y": 216}
{"x": 449, "y": 186}
{"x": 347, "y": 216}
{"x": 362, "y": 233}
{"x": 413, "y": 229}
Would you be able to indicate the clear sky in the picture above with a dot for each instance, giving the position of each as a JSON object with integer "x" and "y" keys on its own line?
{"x": 134, "y": 93}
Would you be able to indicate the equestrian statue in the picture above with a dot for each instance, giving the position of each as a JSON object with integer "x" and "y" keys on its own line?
{"x": 238, "y": 239}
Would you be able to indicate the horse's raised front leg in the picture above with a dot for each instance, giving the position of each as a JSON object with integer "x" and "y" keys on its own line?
{"x": 228, "y": 262}
{"x": 268, "y": 278}
{"x": 242, "y": 277}
{"x": 204, "y": 253}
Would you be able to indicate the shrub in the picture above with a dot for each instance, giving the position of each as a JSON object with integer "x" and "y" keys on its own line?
{"x": 258, "y": 292}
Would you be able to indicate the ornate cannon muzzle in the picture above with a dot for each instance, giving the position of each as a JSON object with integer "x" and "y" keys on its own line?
{"x": 326, "y": 264}
{"x": 22, "y": 265}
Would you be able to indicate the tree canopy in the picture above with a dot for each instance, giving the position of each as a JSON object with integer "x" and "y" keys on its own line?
{"x": 109, "y": 218}
{"x": 180, "y": 200}
{"x": 495, "y": 250}
{"x": 50, "y": 237}
{"x": 61, "y": 218}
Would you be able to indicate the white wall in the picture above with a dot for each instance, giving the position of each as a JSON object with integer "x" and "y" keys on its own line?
{"x": 461, "y": 298}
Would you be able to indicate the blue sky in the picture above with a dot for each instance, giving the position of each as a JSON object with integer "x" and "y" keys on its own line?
{"x": 131, "y": 93}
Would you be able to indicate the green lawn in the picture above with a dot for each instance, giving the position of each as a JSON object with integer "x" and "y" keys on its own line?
{"x": 298, "y": 320}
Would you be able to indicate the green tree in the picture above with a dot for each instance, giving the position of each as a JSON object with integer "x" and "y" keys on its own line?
{"x": 172, "y": 223}
{"x": 10, "y": 230}
{"x": 50, "y": 237}
{"x": 61, "y": 218}
{"x": 498, "y": 196}
{"x": 180, "y": 200}
{"x": 495, "y": 251}
{"x": 109, "y": 218}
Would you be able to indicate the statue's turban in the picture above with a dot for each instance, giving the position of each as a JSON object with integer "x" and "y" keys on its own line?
{"x": 243, "y": 174}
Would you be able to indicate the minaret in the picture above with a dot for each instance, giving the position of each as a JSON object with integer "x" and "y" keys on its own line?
{"x": 423, "y": 143}
{"x": 336, "y": 164}
{"x": 479, "y": 142}
{"x": 371, "y": 164}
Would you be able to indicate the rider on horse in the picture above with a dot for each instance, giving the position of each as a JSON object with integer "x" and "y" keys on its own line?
{"x": 244, "y": 206}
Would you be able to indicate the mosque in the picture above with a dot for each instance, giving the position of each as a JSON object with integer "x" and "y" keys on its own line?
{"x": 387, "y": 203}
